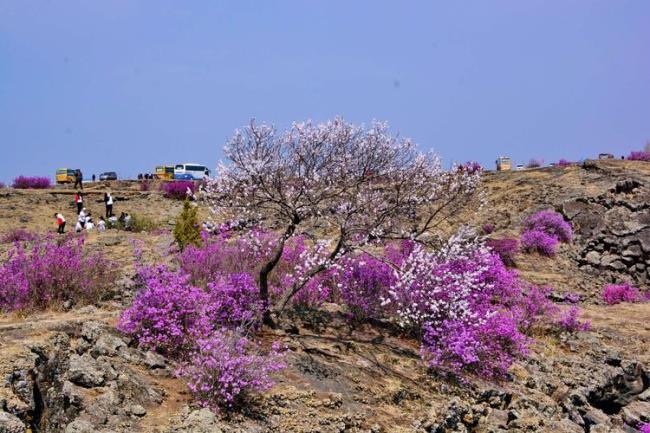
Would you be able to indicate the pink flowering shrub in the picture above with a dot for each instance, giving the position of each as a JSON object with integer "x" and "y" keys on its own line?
{"x": 644, "y": 428}
{"x": 484, "y": 347}
{"x": 617, "y": 293}
{"x": 18, "y": 235}
{"x": 234, "y": 301}
{"x": 535, "y": 304}
{"x": 226, "y": 366}
{"x": 569, "y": 321}
{"x": 168, "y": 314}
{"x": 177, "y": 189}
{"x": 487, "y": 228}
{"x": 537, "y": 241}
{"x": 564, "y": 163}
{"x": 506, "y": 249}
{"x": 362, "y": 283}
{"x": 535, "y": 163}
{"x": 222, "y": 254}
{"x": 145, "y": 186}
{"x": 52, "y": 271}
{"x": 2, "y": 185}
{"x": 639, "y": 156}
{"x": 465, "y": 305}
{"x": 550, "y": 222}
{"x": 33, "y": 182}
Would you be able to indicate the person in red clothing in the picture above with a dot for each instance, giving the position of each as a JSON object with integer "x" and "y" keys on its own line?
{"x": 60, "y": 221}
{"x": 79, "y": 201}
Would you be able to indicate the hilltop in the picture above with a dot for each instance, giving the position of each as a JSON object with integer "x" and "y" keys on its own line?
{"x": 72, "y": 368}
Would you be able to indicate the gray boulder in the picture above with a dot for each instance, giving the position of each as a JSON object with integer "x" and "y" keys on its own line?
{"x": 10, "y": 423}
{"x": 84, "y": 371}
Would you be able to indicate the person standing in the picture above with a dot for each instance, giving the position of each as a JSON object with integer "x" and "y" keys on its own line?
{"x": 79, "y": 201}
{"x": 78, "y": 179}
{"x": 108, "y": 199}
{"x": 60, "y": 222}
{"x": 94, "y": 177}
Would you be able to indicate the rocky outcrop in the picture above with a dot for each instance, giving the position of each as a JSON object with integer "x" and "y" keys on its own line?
{"x": 83, "y": 380}
{"x": 613, "y": 231}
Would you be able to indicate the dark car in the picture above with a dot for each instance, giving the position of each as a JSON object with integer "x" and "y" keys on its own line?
{"x": 108, "y": 175}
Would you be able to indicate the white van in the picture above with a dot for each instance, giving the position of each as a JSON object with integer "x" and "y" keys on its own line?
{"x": 190, "y": 171}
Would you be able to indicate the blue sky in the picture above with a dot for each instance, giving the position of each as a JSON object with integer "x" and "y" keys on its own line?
{"x": 127, "y": 85}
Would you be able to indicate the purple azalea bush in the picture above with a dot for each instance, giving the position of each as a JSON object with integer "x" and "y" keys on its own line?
{"x": 542, "y": 232}
{"x": 168, "y": 314}
{"x": 18, "y": 235}
{"x": 506, "y": 249}
{"x": 569, "y": 321}
{"x": 51, "y": 271}
{"x": 617, "y": 293}
{"x": 644, "y": 428}
{"x": 535, "y": 163}
{"x": 363, "y": 282}
{"x": 31, "y": 182}
{"x": 487, "y": 228}
{"x": 2, "y": 185}
{"x": 551, "y": 223}
{"x": 177, "y": 189}
{"x": 226, "y": 366}
{"x": 537, "y": 241}
{"x": 564, "y": 163}
{"x": 639, "y": 156}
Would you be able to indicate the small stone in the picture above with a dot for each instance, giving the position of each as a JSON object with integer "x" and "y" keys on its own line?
{"x": 80, "y": 426}
{"x": 154, "y": 360}
{"x": 137, "y": 410}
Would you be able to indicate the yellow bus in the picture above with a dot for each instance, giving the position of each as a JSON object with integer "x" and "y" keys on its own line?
{"x": 164, "y": 172}
{"x": 65, "y": 175}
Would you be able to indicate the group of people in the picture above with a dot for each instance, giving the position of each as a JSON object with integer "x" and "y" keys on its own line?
{"x": 84, "y": 216}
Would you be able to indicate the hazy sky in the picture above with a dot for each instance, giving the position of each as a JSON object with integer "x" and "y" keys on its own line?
{"x": 126, "y": 85}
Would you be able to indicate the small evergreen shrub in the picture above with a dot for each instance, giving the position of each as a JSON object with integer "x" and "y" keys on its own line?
{"x": 31, "y": 182}
{"x": 187, "y": 230}
{"x": 177, "y": 189}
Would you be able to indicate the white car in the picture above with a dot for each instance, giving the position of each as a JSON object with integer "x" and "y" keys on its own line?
{"x": 520, "y": 167}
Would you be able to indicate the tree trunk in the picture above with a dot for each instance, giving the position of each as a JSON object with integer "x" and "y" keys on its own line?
{"x": 268, "y": 267}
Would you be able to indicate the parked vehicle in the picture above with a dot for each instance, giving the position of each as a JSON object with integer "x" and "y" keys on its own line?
{"x": 504, "y": 163}
{"x": 164, "y": 172}
{"x": 190, "y": 171}
{"x": 520, "y": 167}
{"x": 65, "y": 175}
{"x": 108, "y": 175}
{"x": 605, "y": 156}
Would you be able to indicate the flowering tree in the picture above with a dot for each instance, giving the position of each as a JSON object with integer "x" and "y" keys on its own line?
{"x": 339, "y": 184}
